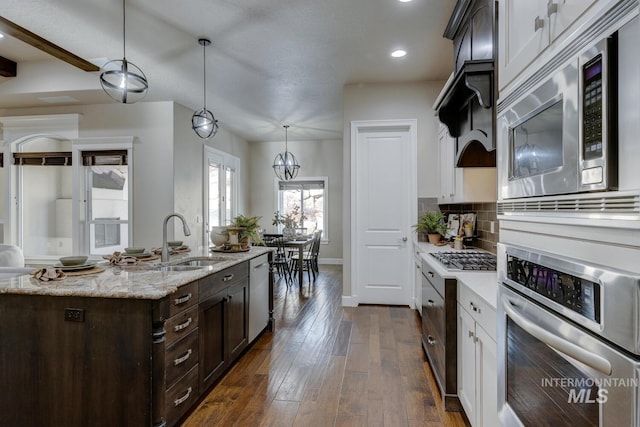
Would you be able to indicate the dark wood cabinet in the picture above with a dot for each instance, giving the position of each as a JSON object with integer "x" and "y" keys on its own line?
{"x": 79, "y": 361}
{"x": 224, "y": 327}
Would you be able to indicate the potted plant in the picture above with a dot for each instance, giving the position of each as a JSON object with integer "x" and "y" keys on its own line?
{"x": 249, "y": 229}
{"x": 431, "y": 224}
{"x": 290, "y": 221}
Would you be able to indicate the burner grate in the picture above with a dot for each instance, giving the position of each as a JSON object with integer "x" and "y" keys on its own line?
{"x": 468, "y": 260}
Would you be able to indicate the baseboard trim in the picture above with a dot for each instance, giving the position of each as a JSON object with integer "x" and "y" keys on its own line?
{"x": 336, "y": 261}
{"x": 349, "y": 301}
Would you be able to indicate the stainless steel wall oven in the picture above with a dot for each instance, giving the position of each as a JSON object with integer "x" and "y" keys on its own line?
{"x": 568, "y": 341}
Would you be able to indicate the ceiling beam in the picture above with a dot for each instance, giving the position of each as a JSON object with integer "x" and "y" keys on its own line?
{"x": 7, "y": 67}
{"x": 22, "y": 34}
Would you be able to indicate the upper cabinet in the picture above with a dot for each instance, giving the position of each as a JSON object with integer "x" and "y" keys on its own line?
{"x": 466, "y": 104}
{"x": 527, "y": 28}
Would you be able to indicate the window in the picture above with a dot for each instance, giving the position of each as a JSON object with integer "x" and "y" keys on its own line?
{"x": 221, "y": 188}
{"x": 107, "y": 202}
{"x": 309, "y": 194}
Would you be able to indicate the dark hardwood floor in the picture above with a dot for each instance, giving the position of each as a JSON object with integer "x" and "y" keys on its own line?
{"x": 326, "y": 365}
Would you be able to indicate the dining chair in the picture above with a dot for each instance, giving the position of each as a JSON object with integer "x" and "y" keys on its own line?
{"x": 309, "y": 258}
{"x": 280, "y": 258}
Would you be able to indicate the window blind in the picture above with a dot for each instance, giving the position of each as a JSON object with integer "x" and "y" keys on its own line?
{"x": 301, "y": 185}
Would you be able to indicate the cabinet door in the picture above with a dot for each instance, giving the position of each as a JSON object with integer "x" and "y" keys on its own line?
{"x": 523, "y": 34}
{"x": 212, "y": 326}
{"x": 237, "y": 319}
{"x": 418, "y": 283}
{"x": 562, "y": 13}
{"x": 487, "y": 378}
{"x": 467, "y": 364}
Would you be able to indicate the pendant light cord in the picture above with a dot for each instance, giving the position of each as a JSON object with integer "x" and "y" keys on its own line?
{"x": 286, "y": 138}
{"x": 124, "y": 31}
{"x": 204, "y": 74}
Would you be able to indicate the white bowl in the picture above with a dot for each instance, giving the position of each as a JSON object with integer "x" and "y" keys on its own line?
{"x": 218, "y": 235}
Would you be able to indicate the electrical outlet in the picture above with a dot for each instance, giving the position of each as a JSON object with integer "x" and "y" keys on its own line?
{"x": 74, "y": 314}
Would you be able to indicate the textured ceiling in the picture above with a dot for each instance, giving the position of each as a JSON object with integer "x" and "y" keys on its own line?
{"x": 271, "y": 62}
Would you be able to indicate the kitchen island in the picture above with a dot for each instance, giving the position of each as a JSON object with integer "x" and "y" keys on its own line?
{"x": 129, "y": 346}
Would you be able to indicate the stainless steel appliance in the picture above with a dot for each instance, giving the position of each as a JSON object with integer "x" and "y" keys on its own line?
{"x": 439, "y": 309}
{"x": 568, "y": 341}
{"x": 466, "y": 260}
{"x": 564, "y": 135}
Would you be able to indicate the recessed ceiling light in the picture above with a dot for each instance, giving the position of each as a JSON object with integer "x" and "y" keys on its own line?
{"x": 404, "y": 1}
{"x": 398, "y": 53}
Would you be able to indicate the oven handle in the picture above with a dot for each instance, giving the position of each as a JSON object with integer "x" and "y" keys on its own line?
{"x": 598, "y": 363}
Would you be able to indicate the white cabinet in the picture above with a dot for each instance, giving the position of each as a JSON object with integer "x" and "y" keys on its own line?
{"x": 526, "y": 28}
{"x": 462, "y": 185}
{"x": 477, "y": 364}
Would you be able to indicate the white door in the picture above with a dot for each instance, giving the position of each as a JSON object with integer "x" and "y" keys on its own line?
{"x": 384, "y": 207}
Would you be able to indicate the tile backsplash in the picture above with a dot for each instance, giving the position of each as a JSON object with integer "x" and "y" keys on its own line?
{"x": 486, "y": 214}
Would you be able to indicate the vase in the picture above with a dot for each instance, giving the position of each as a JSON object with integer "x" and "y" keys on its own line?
{"x": 219, "y": 236}
{"x": 245, "y": 242}
{"x": 433, "y": 238}
{"x": 288, "y": 233}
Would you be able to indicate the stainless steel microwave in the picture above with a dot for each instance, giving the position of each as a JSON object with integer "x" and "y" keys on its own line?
{"x": 561, "y": 137}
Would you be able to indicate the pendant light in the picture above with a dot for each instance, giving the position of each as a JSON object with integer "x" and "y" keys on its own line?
{"x": 123, "y": 80}
{"x": 285, "y": 164}
{"x": 202, "y": 121}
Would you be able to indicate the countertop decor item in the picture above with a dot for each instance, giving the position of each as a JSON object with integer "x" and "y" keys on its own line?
{"x": 174, "y": 243}
{"x": 123, "y": 80}
{"x": 431, "y": 224}
{"x": 202, "y": 121}
{"x": 134, "y": 251}
{"x": 285, "y": 164}
{"x": 249, "y": 227}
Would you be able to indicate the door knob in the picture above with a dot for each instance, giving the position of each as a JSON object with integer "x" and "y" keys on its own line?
{"x": 404, "y": 239}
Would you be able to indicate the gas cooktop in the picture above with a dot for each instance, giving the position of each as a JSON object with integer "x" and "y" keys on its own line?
{"x": 467, "y": 260}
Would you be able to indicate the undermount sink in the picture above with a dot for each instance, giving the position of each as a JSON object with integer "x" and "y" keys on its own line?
{"x": 201, "y": 262}
{"x": 178, "y": 268}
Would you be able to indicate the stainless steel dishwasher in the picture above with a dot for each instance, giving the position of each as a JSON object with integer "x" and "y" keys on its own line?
{"x": 258, "y": 295}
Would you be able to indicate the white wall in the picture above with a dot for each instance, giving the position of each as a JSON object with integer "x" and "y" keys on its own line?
{"x": 316, "y": 158}
{"x": 188, "y": 172}
{"x": 383, "y": 102}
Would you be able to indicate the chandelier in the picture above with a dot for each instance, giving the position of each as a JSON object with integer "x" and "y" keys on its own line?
{"x": 123, "y": 80}
{"x": 285, "y": 164}
{"x": 202, "y": 121}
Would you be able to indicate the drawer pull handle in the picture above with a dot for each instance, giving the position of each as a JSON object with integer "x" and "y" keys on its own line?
{"x": 227, "y": 278}
{"x": 474, "y": 307}
{"x": 182, "y": 300}
{"x": 259, "y": 266}
{"x": 431, "y": 340}
{"x": 431, "y": 303}
{"x": 183, "y": 359}
{"x": 179, "y": 401}
{"x": 183, "y": 325}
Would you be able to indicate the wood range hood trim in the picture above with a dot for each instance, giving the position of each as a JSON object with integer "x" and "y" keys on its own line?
{"x": 475, "y": 147}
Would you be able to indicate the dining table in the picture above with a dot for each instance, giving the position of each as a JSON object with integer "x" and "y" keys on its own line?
{"x": 300, "y": 243}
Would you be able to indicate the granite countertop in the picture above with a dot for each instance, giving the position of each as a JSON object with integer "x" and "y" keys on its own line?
{"x": 139, "y": 281}
{"x": 482, "y": 283}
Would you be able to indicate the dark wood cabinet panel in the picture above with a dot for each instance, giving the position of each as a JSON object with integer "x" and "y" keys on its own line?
{"x": 238, "y": 319}
{"x": 56, "y": 372}
{"x": 212, "y": 334}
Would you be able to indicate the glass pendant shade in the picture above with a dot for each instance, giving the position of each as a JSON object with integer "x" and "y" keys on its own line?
{"x": 202, "y": 121}
{"x": 122, "y": 80}
{"x": 204, "y": 124}
{"x": 285, "y": 164}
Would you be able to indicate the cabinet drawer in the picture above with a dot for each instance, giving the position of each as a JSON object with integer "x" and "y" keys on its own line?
{"x": 182, "y": 396}
{"x": 210, "y": 285}
{"x": 181, "y": 357}
{"x": 181, "y": 325}
{"x": 184, "y": 297}
{"x": 481, "y": 312}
